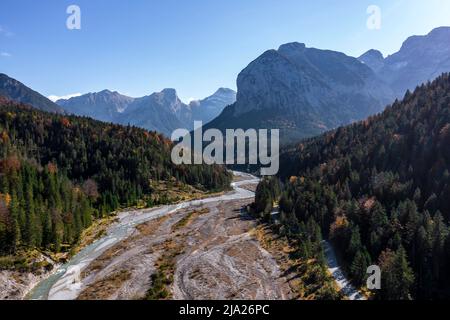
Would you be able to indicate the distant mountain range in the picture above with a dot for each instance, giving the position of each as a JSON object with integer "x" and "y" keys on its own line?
{"x": 302, "y": 91}
{"x": 420, "y": 59}
{"x": 104, "y": 106}
{"x": 161, "y": 111}
{"x": 17, "y": 91}
{"x": 306, "y": 91}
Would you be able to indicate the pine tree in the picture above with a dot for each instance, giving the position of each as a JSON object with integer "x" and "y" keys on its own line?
{"x": 30, "y": 223}
{"x": 358, "y": 268}
{"x": 397, "y": 277}
{"x": 354, "y": 245}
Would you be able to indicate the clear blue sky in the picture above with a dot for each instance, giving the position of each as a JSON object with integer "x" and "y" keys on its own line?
{"x": 141, "y": 46}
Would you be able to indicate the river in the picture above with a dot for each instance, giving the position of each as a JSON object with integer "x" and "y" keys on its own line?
{"x": 66, "y": 283}
{"x": 63, "y": 284}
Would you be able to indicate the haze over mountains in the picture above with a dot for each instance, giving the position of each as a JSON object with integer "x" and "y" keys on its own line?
{"x": 161, "y": 111}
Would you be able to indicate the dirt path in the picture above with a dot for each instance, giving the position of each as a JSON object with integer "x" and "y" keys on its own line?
{"x": 335, "y": 270}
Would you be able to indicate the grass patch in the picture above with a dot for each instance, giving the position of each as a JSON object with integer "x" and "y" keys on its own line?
{"x": 25, "y": 261}
{"x": 102, "y": 289}
{"x": 96, "y": 231}
{"x": 162, "y": 278}
{"x": 187, "y": 219}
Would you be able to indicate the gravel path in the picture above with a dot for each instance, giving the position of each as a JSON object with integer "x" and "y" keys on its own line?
{"x": 337, "y": 273}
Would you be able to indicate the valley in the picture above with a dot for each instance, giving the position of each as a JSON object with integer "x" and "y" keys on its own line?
{"x": 201, "y": 249}
{"x": 97, "y": 203}
{"x": 214, "y": 255}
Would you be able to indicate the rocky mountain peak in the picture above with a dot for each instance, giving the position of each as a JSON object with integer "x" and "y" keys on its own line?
{"x": 372, "y": 54}
{"x": 373, "y": 59}
{"x": 292, "y": 46}
{"x": 303, "y": 91}
{"x": 224, "y": 91}
{"x": 421, "y": 58}
{"x": 168, "y": 98}
{"x": 170, "y": 93}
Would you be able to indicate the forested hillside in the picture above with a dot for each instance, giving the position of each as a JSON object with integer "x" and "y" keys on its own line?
{"x": 380, "y": 190}
{"x": 14, "y": 90}
{"x": 59, "y": 173}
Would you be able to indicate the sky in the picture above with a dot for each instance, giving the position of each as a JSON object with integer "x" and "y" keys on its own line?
{"x": 195, "y": 46}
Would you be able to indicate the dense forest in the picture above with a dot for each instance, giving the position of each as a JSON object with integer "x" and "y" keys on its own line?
{"x": 59, "y": 173}
{"x": 380, "y": 191}
{"x": 304, "y": 235}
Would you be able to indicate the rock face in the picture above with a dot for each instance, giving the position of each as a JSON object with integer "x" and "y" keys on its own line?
{"x": 304, "y": 92}
{"x": 104, "y": 106}
{"x": 18, "y": 92}
{"x": 420, "y": 59}
{"x": 161, "y": 111}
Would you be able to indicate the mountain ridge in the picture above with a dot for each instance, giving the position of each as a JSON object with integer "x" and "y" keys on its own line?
{"x": 19, "y": 92}
{"x": 160, "y": 111}
{"x": 421, "y": 58}
{"x": 104, "y": 105}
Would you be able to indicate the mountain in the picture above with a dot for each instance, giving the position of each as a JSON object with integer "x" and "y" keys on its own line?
{"x": 209, "y": 108}
{"x": 304, "y": 92}
{"x": 373, "y": 59}
{"x": 17, "y": 91}
{"x": 161, "y": 111}
{"x": 420, "y": 59}
{"x": 59, "y": 173}
{"x": 104, "y": 106}
{"x": 380, "y": 188}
